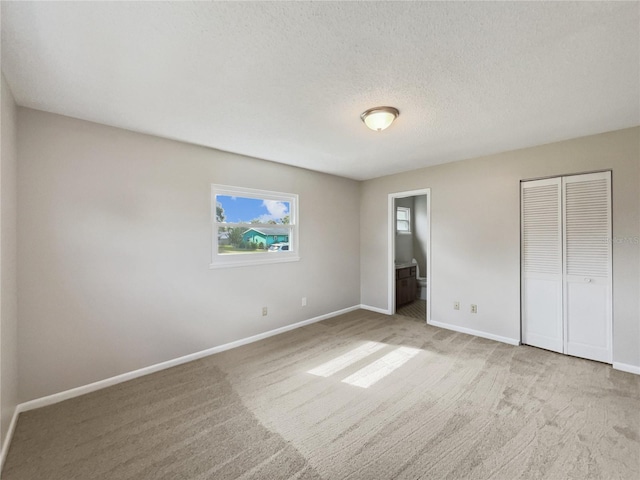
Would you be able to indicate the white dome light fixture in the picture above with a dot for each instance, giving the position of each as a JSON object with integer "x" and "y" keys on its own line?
{"x": 379, "y": 118}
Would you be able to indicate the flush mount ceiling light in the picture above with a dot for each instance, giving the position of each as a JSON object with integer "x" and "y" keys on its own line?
{"x": 379, "y": 118}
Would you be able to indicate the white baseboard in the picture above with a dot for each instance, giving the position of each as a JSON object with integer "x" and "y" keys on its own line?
{"x": 625, "y": 367}
{"x": 9, "y": 437}
{"x": 107, "y": 382}
{"x": 477, "y": 333}
{"x": 375, "y": 309}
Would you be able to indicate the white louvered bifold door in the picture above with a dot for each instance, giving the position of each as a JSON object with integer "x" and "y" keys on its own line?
{"x": 587, "y": 266}
{"x": 541, "y": 236}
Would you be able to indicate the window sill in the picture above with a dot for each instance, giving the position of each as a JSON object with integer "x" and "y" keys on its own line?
{"x": 247, "y": 263}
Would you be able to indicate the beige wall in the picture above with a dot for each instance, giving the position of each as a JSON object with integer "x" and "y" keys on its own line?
{"x": 114, "y": 235}
{"x": 8, "y": 266}
{"x": 115, "y": 245}
{"x": 475, "y": 233}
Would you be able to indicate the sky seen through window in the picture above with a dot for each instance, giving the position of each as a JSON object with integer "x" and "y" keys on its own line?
{"x": 246, "y": 210}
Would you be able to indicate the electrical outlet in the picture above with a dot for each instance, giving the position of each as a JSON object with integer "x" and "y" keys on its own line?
{"x": 474, "y": 308}
{"x": 304, "y": 301}
{"x": 264, "y": 311}
{"x": 456, "y": 305}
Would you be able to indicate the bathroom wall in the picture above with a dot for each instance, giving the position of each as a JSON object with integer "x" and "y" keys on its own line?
{"x": 404, "y": 242}
{"x": 420, "y": 232}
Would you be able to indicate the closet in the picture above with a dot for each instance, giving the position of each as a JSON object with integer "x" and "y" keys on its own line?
{"x": 566, "y": 265}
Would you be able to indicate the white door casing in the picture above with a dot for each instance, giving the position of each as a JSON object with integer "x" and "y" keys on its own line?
{"x": 391, "y": 248}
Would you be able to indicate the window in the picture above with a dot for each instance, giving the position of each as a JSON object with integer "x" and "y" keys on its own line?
{"x": 403, "y": 220}
{"x": 251, "y": 227}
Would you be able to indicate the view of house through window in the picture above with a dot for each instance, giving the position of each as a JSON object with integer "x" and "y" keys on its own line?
{"x": 253, "y": 223}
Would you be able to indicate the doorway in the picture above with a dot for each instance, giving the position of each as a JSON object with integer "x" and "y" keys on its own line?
{"x": 409, "y": 253}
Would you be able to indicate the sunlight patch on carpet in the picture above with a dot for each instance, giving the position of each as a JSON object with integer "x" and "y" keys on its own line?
{"x": 343, "y": 361}
{"x": 372, "y": 373}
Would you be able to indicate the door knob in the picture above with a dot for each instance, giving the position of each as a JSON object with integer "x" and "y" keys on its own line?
{"x": 587, "y": 280}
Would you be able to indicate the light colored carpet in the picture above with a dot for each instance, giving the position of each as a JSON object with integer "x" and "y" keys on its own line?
{"x": 460, "y": 407}
{"x": 416, "y": 310}
{"x": 182, "y": 423}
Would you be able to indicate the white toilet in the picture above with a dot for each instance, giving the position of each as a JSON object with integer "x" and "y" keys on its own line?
{"x": 422, "y": 281}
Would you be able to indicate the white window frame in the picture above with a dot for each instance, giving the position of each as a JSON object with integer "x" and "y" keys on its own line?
{"x": 408, "y": 220}
{"x": 243, "y": 260}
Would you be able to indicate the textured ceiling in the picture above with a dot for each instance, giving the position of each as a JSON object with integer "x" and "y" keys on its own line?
{"x": 287, "y": 81}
